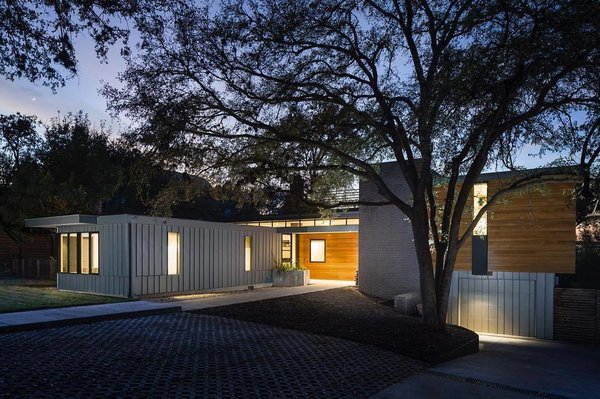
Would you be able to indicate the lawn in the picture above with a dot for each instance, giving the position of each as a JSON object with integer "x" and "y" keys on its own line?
{"x": 18, "y": 295}
{"x": 349, "y": 314}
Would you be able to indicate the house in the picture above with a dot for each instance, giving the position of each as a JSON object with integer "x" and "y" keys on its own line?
{"x": 503, "y": 282}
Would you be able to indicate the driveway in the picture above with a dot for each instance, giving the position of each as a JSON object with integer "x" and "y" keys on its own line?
{"x": 191, "y": 355}
{"x": 509, "y": 368}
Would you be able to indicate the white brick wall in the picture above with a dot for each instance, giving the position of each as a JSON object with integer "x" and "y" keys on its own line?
{"x": 387, "y": 259}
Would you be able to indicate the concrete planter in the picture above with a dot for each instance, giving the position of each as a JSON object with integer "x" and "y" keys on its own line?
{"x": 290, "y": 278}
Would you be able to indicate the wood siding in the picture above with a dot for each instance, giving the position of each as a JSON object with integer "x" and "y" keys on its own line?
{"x": 529, "y": 231}
{"x": 341, "y": 255}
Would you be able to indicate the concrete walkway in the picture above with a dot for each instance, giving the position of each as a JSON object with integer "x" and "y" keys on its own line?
{"x": 258, "y": 294}
{"x": 509, "y": 368}
{"x": 47, "y": 318}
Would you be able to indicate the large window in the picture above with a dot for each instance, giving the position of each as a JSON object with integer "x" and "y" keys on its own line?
{"x": 247, "y": 253}
{"x": 173, "y": 253}
{"x": 79, "y": 253}
{"x": 317, "y": 251}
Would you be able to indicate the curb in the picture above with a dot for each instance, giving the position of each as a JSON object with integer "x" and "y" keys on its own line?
{"x": 87, "y": 319}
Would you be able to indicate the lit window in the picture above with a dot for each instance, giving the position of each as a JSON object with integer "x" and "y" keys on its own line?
{"x": 64, "y": 250}
{"x": 94, "y": 253}
{"x": 79, "y": 253}
{"x": 338, "y": 222}
{"x": 317, "y": 251}
{"x": 85, "y": 253}
{"x": 479, "y": 201}
{"x": 247, "y": 253}
{"x": 322, "y": 222}
{"x": 73, "y": 253}
{"x": 286, "y": 247}
{"x": 173, "y": 253}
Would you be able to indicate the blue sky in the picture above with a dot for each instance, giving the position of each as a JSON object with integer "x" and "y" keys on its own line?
{"x": 82, "y": 93}
{"x": 79, "y": 93}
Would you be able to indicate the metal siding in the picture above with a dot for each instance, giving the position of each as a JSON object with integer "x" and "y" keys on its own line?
{"x": 503, "y": 303}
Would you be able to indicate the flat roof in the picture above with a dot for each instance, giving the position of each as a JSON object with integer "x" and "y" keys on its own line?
{"x": 64, "y": 220}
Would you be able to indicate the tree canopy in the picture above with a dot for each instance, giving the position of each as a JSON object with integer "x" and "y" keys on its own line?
{"x": 37, "y": 36}
{"x": 258, "y": 90}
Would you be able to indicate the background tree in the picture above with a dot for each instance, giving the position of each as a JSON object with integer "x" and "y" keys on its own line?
{"x": 446, "y": 87}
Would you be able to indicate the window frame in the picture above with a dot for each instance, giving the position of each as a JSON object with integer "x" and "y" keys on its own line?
{"x": 310, "y": 251}
{"x": 78, "y": 253}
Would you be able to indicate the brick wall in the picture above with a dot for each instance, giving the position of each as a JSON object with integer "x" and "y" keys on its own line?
{"x": 387, "y": 259}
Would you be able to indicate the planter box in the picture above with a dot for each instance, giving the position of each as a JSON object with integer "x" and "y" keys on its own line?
{"x": 291, "y": 278}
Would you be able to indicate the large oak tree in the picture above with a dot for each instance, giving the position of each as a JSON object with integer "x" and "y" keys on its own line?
{"x": 443, "y": 88}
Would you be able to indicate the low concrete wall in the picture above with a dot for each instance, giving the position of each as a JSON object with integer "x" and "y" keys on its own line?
{"x": 290, "y": 278}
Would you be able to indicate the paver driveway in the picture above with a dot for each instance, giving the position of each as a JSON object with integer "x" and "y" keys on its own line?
{"x": 189, "y": 355}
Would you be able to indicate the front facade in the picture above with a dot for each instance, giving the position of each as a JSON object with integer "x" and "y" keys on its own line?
{"x": 503, "y": 282}
{"x": 129, "y": 255}
{"x": 505, "y": 274}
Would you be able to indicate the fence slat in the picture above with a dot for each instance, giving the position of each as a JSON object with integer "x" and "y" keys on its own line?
{"x": 576, "y": 315}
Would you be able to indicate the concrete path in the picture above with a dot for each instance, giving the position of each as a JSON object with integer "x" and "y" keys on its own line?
{"x": 47, "y": 318}
{"x": 259, "y": 294}
{"x": 509, "y": 368}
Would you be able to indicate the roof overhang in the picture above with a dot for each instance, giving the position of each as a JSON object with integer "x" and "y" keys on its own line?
{"x": 57, "y": 221}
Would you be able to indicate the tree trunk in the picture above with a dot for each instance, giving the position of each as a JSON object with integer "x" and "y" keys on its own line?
{"x": 420, "y": 228}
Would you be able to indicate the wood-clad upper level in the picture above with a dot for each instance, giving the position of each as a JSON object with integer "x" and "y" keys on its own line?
{"x": 532, "y": 230}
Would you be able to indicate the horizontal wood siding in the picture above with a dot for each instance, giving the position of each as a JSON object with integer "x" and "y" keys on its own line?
{"x": 341, "y": 255}
{"x": 528, "y": 231}
{"x": 211, "y": 257}
{"x": 503, "y": 303}
{"x": 577, "y": 315}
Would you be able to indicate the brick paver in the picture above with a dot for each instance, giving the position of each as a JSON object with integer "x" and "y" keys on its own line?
{"x": 189, "y": 355}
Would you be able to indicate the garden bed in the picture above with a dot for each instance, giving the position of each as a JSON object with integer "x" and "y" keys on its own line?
{"x": 349, "y": 314}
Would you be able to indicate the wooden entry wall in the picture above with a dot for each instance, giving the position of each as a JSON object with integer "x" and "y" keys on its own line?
{"x": 341, "y": 255}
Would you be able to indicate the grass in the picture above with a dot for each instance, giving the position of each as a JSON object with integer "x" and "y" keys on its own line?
{"x": 18, "y": 295}
{"x": 349, "y": 314}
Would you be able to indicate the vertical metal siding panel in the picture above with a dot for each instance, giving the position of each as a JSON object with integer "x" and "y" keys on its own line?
{"x": 186, "y": 269}
{"x": 199, "y": 267}
{"x": 507, "y": 305}
{"x": 228, "y": 280}
{"x": 549, "y": 307}
{"x": 221, "y": 258}
{"x": 145, "y": 237}
{"x": 540, "y": 300}
{"x": 157, "y": 251}
{"x": 139, "y": 250}
{"x": 206, "y": 258}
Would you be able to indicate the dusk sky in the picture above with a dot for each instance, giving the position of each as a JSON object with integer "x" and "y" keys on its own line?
{"x": 81, "y": 93}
